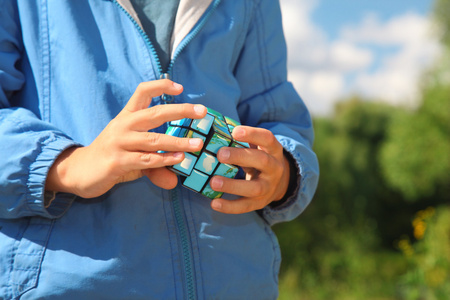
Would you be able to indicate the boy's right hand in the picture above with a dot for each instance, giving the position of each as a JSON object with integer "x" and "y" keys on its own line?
{"x": 125, "y": 150}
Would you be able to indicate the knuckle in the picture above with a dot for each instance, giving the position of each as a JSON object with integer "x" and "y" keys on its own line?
{"x": 270, "y": 137}
{"x": 113, "y": 162}
{"x": 186, "y": 109}
{"x": 166, "y": 159}
{"x": 147, "y": 158}
{"x": 165, "y": 81}
{"x": 152, "y": 138}
{"x": 261, "y": 205}
{"x": 258, "y": 190}
{"x": 265, "y": 159}
{"x": 247, "y": 207}
{"x": 115, "y": 124}
{"x": 179, "y": 142}
{"x": 141, "y": 89}
{"x": 156, "y": 111}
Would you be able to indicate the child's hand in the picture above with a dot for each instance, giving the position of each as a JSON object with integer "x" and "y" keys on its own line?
{"x": 125, "y": 150}
{"x": 267, "y": 172}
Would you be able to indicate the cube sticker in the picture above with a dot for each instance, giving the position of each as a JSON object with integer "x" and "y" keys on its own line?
{"x": 181, "y": 123}
{"x": 203, "y": 125}
{"x": 216, "y": 142}
{"x": 196, "y": 181}
{"x": 198, "y": 168}
{"x": 207, "y": 163}
{"x": 226, "y": 170}
{"x": 210, "y": 193}
{"x": 193, "y": 134}
{"x": 185, "y": 167}
{"x": 221, "y": 128}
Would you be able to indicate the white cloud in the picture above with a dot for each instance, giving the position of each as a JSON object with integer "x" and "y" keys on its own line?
{"x": 319, "y": 67}
{"x": 345, "y": 56}
{"x": 403, "y": 29}
{"x": 396, "y": 80}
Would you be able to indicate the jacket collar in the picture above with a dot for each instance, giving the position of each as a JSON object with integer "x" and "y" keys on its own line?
{"x": 188, "y": 14}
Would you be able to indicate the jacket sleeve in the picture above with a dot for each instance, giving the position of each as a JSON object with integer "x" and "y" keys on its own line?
{"x": 28, "y": 145}
{"x": 270, "y": 101}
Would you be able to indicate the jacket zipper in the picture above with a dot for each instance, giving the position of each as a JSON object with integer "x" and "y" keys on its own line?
{"x": 188, "y": 261}
{"x": 187, "y": 39}
{"x": 168, "y": 74}
{"x": 181, "y": 224}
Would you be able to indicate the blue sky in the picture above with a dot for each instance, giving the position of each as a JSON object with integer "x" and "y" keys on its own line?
{"x": 332, "y": 14}
{"x": 377, "y": 49}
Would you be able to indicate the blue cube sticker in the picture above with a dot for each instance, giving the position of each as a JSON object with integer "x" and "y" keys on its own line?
{"x": 203, "y": 125}
{"x": 196, "y": 180}
{"x": 216, "y": 142}
{"x": 176, "y": 131}
{"x": 185, "y": 167}
{"x": 181, "y": 123}
{"x": 210, "y": 193}
{"x": 227, "y": 170}
{"x": 206, "y": 163}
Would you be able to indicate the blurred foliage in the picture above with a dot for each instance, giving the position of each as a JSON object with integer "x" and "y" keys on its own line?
{"x": 428, "y": 275}
{"x": 416, "y": 156}
{"x": 363, "y": 237}
{"x": 379, "y": 225}
{"x": 442, "y": 14}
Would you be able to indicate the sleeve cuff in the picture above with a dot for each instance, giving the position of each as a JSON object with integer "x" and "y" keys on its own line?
{"x": 306, "y": 184}
{"x": 294, "y": 184}
{"x": 38, "y": 175}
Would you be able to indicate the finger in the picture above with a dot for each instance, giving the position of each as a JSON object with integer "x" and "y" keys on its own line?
{"x": 239, "y": 206}
{"x": 247, "y": 158}
{"x": 258, "y": 136}
{"x": 162, "y": 178}
{"x": 152, "y": 142}
{"x": 155, "y": 116}
{"x": 245, "y": 188}
{"x": 145, "y": 91}
{"x": 147, "y": 160}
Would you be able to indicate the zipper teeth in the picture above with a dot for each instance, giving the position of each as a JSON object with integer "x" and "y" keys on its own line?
{"x": 144, "y": 35}
{"x": 184, "y": 244}
{"x": 176, "y": 202}
{"x": 186, "y": 251}
{"x": 180, "y": 48}
{"x": 194, "y": 32}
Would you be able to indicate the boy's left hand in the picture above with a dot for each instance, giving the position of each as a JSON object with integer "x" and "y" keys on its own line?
{"x": 266, "y": 168}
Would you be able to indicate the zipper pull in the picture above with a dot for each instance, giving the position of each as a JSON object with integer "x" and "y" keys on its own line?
{"x": 164, "y": 97}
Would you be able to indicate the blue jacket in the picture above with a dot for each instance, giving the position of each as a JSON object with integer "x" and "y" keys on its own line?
{"x": 66, "y": 69}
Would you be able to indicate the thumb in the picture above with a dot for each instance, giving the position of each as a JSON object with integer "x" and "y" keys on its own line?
{"x": 145, "y": 91}
{"x": 162, "y": 177}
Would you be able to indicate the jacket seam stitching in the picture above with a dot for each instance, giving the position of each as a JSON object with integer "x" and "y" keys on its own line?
{"x": 45, "y": 37}
{"x": 263, "y": 56}
{"x": 194, "y": 241}
{"x": 241, "y": 38}
{"x": 261, "y": 59}
{"x": 12, "y": 259}
{"x": 168, "y": 210}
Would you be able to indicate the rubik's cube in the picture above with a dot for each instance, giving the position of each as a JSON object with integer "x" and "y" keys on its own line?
{"x": 198, "y": 168}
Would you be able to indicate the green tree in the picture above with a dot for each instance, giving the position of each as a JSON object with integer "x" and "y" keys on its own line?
{"x": 416, "y": 156}
{"x": 341, "y": 247}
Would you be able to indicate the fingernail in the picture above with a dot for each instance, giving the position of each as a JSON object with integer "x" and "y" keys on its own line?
{"x": 238, "y": 132}
{"x": 178, "y": 154}
{"x": 224, "y": 154}
{"x": 195, "y": 141}
{"x": 216, "y": 183}
{"x": 199, "y": 109}
{"x": 216, "y": 204}
{"x": 177, "y": 86}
